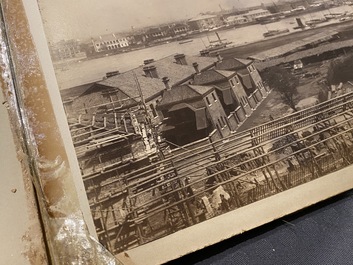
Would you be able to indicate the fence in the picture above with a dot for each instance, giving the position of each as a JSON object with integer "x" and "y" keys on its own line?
{"x": 179, "y": 191}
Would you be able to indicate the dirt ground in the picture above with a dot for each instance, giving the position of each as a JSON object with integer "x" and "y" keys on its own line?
{"x": 309, "y": 86}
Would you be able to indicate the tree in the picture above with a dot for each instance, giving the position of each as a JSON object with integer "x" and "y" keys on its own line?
{"x": 340, "y": 70}
{"x": 284, "y": 82}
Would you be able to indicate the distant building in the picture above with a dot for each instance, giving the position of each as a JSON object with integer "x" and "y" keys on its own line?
{"x": 65, "y": 50}
{"x": 159, "y": 33}
{"x": 286, "y": 6}
{"x": 205, "y": 22}
{"x": 180, "y": 28}
{"x": 136, "y": 39}
{"x": 109, "y": 42}
{"x": 236, "y": 20}
{"x": 253, "y": 14}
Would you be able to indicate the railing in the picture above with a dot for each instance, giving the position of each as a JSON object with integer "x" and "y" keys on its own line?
{"x": 312, "y": 143}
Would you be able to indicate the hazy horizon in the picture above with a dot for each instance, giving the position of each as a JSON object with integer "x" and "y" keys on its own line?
{"x": 84, "y": 19}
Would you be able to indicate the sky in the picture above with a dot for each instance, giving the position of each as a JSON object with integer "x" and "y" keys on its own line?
{"x": 83, "y": 19}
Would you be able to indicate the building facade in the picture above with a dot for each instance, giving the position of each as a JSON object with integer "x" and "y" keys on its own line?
{"x": 228, "y": 87}
{"x": 109, "y": 42}
{"x": 236, "y": 20}
{"x": 205, "y": 22}
{"x": 65, "y": 50}
{"x": 253, "y": 14}
{"x": 192, "y": 112}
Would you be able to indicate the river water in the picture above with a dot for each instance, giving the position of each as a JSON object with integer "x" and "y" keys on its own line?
{"x": 87, "y": 71}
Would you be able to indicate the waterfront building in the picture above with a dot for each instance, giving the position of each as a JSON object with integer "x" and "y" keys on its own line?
{"x": 109, "y": 42}
{"x": 180, "y": 28}
{"x": 65, "y": 49}
{"x": 158, "y": 33}
{"x": 205, "y": 22}
{"x": 236, "y": 20}
{"x": 253, "y": 14}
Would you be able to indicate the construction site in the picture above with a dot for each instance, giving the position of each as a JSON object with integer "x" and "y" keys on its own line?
{"x": 137, "y": 200}
{"x": 142, "y": 187}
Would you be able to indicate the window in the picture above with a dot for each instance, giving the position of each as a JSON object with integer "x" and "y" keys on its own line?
{"x": 224, "y": 123}
{"x": 208, "y": 101}
{"x": 237, "y": 79}
{"x": 154, "y": 112}
{"x": 231, "y": 82}
{"x": 214, "y": 97}
{"x": 220, "y": 123}
{"x": 218, "y": 128}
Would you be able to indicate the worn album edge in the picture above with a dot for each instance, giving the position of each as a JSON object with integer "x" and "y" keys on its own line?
{"x": 40, "y": 136}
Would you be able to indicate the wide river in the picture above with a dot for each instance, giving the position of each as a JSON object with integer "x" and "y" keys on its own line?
{"x": 87, "y": 71}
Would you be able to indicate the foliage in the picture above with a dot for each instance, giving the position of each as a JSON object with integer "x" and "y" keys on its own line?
{"x": 283, "y": 82}
{"x": 340, "y": 70}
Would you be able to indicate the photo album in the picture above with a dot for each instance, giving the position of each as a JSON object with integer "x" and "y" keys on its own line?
{"x": 152, "y": 129}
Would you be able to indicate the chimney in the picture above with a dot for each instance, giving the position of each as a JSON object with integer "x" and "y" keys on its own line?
{"x": 165, "y": 80}
{"x": 205, "y": 53}
{"x": 150, "y": 71}
{"x": 219, "y": 57}
{"x": 196, "y": 66}
{"x": 180, "y": 59}
{"x": 148, "y": 61}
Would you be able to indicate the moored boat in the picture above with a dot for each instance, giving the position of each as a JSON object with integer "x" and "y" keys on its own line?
{"x": 275, "y": 32}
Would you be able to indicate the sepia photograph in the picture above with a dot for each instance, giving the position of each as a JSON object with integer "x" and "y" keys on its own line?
{"x": 181, "y": 112}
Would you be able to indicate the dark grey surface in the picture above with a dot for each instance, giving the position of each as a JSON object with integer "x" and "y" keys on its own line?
{"x": 319, "y": 235}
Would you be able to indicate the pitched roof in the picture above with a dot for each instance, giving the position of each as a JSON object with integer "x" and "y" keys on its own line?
{"x": 73, "y": 92}
{"x": 246, "y": 80}
{"x": 126, "y": 81}
{"x": 212, "y": 76}
{"x": 183, "y": 93}
{"x": 201, "y": 90}
{"x": 245, "y": 62}
{"x": 226, "y": 73}
{"x": 232, "y": 64}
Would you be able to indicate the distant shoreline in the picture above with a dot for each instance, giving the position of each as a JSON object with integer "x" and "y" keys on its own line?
{"x": 251, "y": 48}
